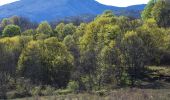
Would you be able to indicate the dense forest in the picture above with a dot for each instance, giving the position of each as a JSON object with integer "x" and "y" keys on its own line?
{"x": 106, "y": 53}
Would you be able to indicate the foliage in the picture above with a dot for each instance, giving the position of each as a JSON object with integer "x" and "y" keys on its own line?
{"x": 28, "y": 32}
{"x": 146, "y": 14}
{"x": 158, "y": 10}
{"x": 46, "y": 62}
{"x": 44, "y": 28}
{"x": 73, "y": 86}
{"x": 11, "y": 30}
{"x": 63, "y": 30}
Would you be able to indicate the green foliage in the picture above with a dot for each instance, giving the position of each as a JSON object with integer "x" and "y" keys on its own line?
{"x": 134, "y": 55}
{"x": 73, "y": 86}
{"x": 44, "y": 28}
{"x": 46, "y": 56}
{"x": 161, "y": 14}
{"x": 11, "y": 30}
{"x": 5, "y": 22}
{"x": 63, "y": 30}
{"x": 158, "y": 10}
{"x": 42, "y": 91}
{"x": 146, "y": 14}
{"x": 29, "y": 32}
{"x": 155, "y": 40}
{"x": 11, "y": 49}
{"x": 37, "y": 91}
{"x": 63, "y": 92}
{"x": 102, "y": 92}
{"x": 80, "y": 31}
{"x": 41, "y": 36}
{"x": 59, "y": 30}
{"x": 48, "y": 91}
{"x": 69, "y": 42}
{"x": 29, "y": 64}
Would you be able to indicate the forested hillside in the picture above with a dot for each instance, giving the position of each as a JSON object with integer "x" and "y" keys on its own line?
{"x": 41, "y": 10}
{"x": 107, "y": 53}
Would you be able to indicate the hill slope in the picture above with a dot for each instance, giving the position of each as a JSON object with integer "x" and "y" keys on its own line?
{"x": 39, "y": 10}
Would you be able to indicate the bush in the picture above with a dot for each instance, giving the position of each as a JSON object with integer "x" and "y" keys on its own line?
{"x": 62, "y": 92}
{"x": 11, "y": 30}
{"x": 73, "y": 86}
{"x": 16, "y": 94}
{"x": 48, "y": 91}
{"x": 36, "y": 91}
{"x": 102, "y": 92}
{"x": 23, "y": 88}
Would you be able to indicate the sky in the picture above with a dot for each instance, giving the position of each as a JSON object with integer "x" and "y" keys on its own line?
{"x": 120, "y": 3}
{"x": 123, "y": 3}
{"x": 2, "y": 2}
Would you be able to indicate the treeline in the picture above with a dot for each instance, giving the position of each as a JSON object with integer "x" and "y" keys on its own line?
{"x": 106, "y": 53}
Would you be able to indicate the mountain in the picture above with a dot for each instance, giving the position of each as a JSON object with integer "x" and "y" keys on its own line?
{"x": 39, "y": 10}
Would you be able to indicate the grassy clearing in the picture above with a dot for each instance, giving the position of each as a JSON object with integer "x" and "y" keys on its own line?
{"x": 120, "y": 94}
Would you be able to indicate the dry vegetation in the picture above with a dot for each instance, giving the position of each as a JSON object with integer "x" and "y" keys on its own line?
{"x": 120, "y": 94}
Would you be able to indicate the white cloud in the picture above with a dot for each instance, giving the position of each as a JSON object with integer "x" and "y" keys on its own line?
{"x": 2, "y": 2}
{"x": 122, "y": 3}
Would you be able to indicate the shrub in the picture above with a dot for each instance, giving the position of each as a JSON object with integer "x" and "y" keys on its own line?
{"x": 11, "y": 30}
{"x": 62, "y": 92}
{"x": 36, "y": 91}
{"x": 73, "y": 86}
{"x": 48, "y": 91}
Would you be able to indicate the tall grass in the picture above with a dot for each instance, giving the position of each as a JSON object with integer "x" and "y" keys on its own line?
{"x": 120, "y": 94}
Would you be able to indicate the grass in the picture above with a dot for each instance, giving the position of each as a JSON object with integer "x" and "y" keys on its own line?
{"x": 120, "y": 94}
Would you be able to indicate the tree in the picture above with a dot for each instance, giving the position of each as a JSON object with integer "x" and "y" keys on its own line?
{"x": 71, "y": 45}
{"x": 106, "y": 65}
{"x": 134, "y": 55}
{"x": 154, "y": 39}
{"x": 41, "y": 36}
{"x": 10, "y": 51}
{"x": 22, "y": 22}
{"x": 3, "y": 85}
{"x": 59, "y": 30}
{"x": 3, "y": 77}
{"x": 80, "y": 31}
{"x": 5, "y": 22}
{"x": 146, "y": 14}
{"x": 15, "y": 20}
{"x": 59, "y": 60}
{"x": 161, "y": 13}
{"x": 29, "y": 32}
{"x": 46, "y": 62}
{"x": 159, "y": 10}
{"x": 10, "y": 48}
{"x": 29, "y": 64}
{"x": 96, "y": 36}
{"x": 63, "y": 30}
{"x": 44, "y": 28}
{"x": 11, "y": 30}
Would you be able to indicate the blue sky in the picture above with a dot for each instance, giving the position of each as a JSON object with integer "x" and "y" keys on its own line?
{"x": 120, "y": 3}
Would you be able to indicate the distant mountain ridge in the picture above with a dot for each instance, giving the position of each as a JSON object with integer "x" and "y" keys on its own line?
{"x": 39, "y": 10}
